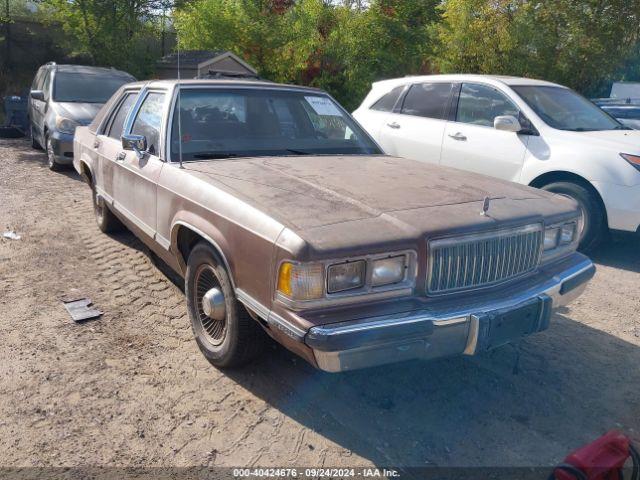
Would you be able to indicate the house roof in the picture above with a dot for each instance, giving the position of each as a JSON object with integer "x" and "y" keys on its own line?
{"x": 189, "y": 58}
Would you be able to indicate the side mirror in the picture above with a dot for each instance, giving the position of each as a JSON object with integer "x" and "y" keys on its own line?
{"x": 507, "y": 123}
{"x": 37, "y": 95}
{"x": 137, "y": 143}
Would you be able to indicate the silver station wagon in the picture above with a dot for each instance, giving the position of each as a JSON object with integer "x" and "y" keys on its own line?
{"x": 284, "y": 217}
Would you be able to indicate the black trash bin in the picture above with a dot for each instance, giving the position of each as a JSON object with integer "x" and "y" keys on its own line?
{"x": 16, "y": 123}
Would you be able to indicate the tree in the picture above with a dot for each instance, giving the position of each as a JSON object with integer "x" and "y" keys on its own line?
{"x": 111, "y": 32}
{"x": 581, "y": 43}
{"x": 341, "y": 46}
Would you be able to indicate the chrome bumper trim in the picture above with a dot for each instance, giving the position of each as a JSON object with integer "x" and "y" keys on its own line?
{"x": 441, "y": 330}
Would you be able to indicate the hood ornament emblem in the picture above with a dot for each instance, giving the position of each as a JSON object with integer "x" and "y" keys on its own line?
{"x": 485, "y": 206}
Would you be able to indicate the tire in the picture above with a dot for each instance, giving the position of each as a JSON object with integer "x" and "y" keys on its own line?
{"x": 233, "y": 340}
{"x": 594, "y": 229}
{"x": 106, "y": 220}
{"x": 34, "y": 142}
{"x": 51, "y": 159}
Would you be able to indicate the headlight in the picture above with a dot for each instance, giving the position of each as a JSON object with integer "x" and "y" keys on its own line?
{"x": 66, "y": 125}
{"x": 551, "y": 238}
{"x": 301, "y": 281}
{"x": 567, "y": 233}
{"x": 560, "y": 235}
{"x": 345, "y": 276}
{"x": 632, "y": 159}
{"x": 387, "y": 271}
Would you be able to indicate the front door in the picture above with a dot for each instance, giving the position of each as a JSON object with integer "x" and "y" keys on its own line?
{"x": 416, "y": 131}
{"x": 136, "y": 177}
{"x": 471, "y": 143}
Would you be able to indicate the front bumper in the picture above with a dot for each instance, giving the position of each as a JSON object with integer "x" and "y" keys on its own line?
{"x": 450, "y": 327}
{"x": 622, "y": 204}
{"x": 62, "y": 144}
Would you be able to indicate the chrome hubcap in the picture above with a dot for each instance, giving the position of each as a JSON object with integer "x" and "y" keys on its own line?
{"x": 98, "y": 205}
{"x": 210, "y": 303}
{"x": 213, "y": 304}
{"x": 50, "y": 153}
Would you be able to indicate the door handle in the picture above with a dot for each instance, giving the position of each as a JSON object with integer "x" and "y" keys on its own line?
{"x": 393, "y": 125}
{"x": 458, "y": 136}
{"x": 121, "y": 156}
{"x": 96, "y": 143}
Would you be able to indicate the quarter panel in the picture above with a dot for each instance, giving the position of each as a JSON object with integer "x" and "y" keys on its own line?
{"x": 244, "y": 235}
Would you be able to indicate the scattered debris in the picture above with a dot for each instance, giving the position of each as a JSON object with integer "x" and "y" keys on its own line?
{"x": 81, "y": 309}
{"x": 11, "y": 235}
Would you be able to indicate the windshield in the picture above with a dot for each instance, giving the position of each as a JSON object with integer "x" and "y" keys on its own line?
{"x": 564, "y": 109}
{"x": 217, "y": 123}
{"x": 86, "y": 88}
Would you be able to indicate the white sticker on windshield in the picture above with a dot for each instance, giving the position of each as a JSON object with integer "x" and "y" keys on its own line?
{"x": 323, "y": 106}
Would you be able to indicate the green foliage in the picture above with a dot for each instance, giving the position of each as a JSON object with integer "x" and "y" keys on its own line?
{"x": 344, "y": 45}
{"x": 110, "y": 32}
{"x": 584, "y": 44}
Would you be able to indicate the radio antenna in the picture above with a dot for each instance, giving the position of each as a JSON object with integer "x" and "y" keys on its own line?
{"x": 179, "y": 111}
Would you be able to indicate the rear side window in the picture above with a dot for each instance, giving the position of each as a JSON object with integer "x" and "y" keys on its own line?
{"x": 37, "y": 81}
{"x": 149, "y": 120}
{"x": 388, "y": 101}
{"x": 46, "y": 87}
{"x": 117, "y": 123}
{"x": 427, "y": 100}
{"x": 481, "y": 104}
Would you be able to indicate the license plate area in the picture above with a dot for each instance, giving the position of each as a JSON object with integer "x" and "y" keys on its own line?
{"x": 503, "y": 326}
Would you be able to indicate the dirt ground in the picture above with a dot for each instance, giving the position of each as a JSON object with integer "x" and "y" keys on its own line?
{"x": 132, "y": 389}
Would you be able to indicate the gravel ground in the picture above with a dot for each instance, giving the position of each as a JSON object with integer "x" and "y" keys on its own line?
{"x": 132, "y": 389}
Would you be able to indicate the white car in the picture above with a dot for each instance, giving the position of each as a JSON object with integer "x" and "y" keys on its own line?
{"x": 528, "y": 131}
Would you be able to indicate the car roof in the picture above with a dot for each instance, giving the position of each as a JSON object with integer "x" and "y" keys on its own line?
{"x": 490, "y": 79}
{"x": 228, "y": 83}
{"x": 90, "y": 70}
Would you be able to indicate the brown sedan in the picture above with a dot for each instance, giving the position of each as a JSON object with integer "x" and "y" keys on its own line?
{"x": 285, "y": 217}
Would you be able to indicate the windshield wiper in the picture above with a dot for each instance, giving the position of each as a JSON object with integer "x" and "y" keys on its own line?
{"x": 213, "y": 155}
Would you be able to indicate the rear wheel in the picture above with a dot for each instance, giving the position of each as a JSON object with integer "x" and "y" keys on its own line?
{"x": 225, "y": 332}
{"x": 593, "y": 229}
{"x": 106, "y": 220}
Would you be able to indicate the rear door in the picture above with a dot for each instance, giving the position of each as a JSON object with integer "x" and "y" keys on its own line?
{"x": 136, "y": 178}
{"x": 39, "y": 107}
{"x": 470, "y": 141}
{"x": 108, "y": 143}
{"x": 373, "y": 118}
{"x": 415, "y": 130}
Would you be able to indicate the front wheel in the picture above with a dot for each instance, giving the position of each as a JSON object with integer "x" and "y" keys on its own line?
{"x": 51, "y": 157}
{"x": 593, "y": 229}
{"x": 34, "y": 142}
{"x": 224, "y": 331}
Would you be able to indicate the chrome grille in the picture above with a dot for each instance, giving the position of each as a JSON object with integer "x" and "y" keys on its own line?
{"x": 479, "y": 260}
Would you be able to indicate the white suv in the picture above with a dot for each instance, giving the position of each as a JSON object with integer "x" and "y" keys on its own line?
{"x": 528, "y": 131}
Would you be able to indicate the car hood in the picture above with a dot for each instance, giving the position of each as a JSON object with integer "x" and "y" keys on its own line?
{"x": 83, "y": 113}
{"x": 380, "y": 197}
{"x": 625, "y": 141}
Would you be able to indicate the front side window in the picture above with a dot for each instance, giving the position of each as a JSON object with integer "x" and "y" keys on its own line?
{"x": 117, "y": 123}
{"x": 86, "y": 88}
{"x": 216, "y": 123}
{"x": 388, "y": 101}
{"x": 149, "y": 121}
{"x": 427, "y": 100}
{"x": 481, "y": 104}
{"x": 565, "y": 109}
